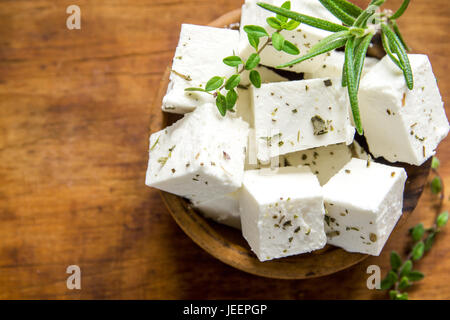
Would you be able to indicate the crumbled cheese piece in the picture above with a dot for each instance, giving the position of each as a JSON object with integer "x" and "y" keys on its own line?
{"x": 197, "y": 59}
{"x": 200, "y": 157}
{"x": 304, "y": 37}
{"x": 401, "y": 124}
{"x": 282, "y": 212}
{"x": 298, "y": 115}
{"x": 363, "y": 203}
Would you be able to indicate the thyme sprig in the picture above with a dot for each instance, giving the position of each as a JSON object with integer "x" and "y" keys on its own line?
{"x": 225, "y": 101}
{"x": 402, "y": 276}
{"x": 355, "y": 34}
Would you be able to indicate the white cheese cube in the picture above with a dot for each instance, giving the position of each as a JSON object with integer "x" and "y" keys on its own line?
{"x": 299, "y": 115}
{"x": 243, "y": 106}
{"x": 197, "y": 59}
{"x": 200, "y": 157}
{"x": 333, "y": 64}
{"x": 304, "y": 37}
{"x": 324, "y": 162}
{"x": 400, "y": 124}
{"x": 363, "y": 203}
{"x": 282, "y": 212}
{"x": 223, "y": 210}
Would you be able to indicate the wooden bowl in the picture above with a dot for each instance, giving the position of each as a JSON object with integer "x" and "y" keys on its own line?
{"x": 228, "y": 245}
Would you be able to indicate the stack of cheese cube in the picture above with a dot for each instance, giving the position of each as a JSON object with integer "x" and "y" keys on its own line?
{"x": 284, "y": 167}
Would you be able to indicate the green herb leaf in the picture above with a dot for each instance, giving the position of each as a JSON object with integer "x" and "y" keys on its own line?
{"x": 406, "y": 268}
{"x": 396, "y": 261}
{"x": 351, "y": 83}
{"x": 349, "y": 7}
{"x": 255, "y": 78}
{"x": 399, "y": 35}
{"x": 389, "y": 52}
{"x": 400, "y": 10}
{"x": 418, "y": 251}
{"x": 256, "y": 31}
{"x": 233, "y": 61}
{"x": 415, "y": 275}
{"x": 360, "y": 55}
{"x": 291, "y": 25}
{"x": 331, "y": 46}
{"x": 233, "y": 82}
{"x": 435, "y": 163}
{"x": 389, "y": 281}
{"x": 253, "y": 40}
{"x": 311, "y": 21}
{"x": 341, "y": 35}
{"x": 429, "y": 241}
{"x": 290, "y": 48}
{"x": 214, "y": 83}
{"x": 274, "y": 23}
{"x": 404, "y": 283}
{"x": 393, "y": 294}
{"x": 194, "y": 89}
{"x": 285, "y": 5}
{"x": 401, "y": 296}
{"x": 277, "y": 41}
{"x": 338, "y": 12}
{"x": 417, "y": 232}
{"x": 436, "y": 185}
{"x": 231, "y": 99}
{"x": 442, "y": 219}
{"x": 399, "y": 49}
{"x": 361, "y": 21}
{"x": 252, "y": 61}
{"x": 221, "y": 103}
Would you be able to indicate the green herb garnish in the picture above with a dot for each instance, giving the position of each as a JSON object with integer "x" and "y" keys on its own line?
{"x": 402, "y": 276}
{"x": 216, "y": 85}
{"x": 359, "y": 27}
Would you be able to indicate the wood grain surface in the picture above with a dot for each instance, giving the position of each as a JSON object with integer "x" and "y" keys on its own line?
{"x": 74, "y": 123}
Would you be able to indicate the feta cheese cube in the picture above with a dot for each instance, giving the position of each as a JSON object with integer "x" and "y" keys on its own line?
{"x": 303, "y": 37}
{"x": 223, "y": 210}
{"x": 197, "y": 59}
{"x": 324, "y": 162}
{"x": 363, "y": 203}
{"x": 299, "y": 115}
{"x": 333, "y": 64}
{"x": 400, "y": 124}
{"x": 282, "y": 212}
{"x": 243, "y": 106}
{"x": 200, "y": 157}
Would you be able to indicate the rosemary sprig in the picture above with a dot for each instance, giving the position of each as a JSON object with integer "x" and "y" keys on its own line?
{"x": 401, "y": 276}
{"x": 356, "y": 43}
{"x": 216, "y": 85}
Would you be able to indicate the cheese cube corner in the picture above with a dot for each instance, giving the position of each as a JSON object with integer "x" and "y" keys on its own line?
{"x": 282, "y": 212}
{"x": 198, "y": 58}
{"x": 363, "y": 203}
{"x": 199, "y": 157}
{"x": 401, "y": 124}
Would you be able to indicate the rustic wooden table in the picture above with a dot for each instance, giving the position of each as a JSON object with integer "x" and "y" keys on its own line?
{"x": 74, "y": 123}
